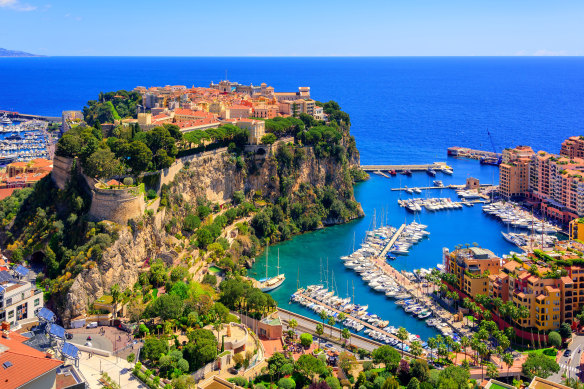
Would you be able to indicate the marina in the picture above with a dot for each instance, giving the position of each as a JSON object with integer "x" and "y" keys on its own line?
{"x": 447, "y": 229}
{"x": 436, "y": 166}
{"x": 24, "y": 141}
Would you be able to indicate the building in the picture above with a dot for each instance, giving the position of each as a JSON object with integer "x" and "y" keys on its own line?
{"x": 298, "y": 106}
{"x": 576, "y": 229}
{"x": 19, "y": 298}
{"x": 540, "y": 383}
{"x": 556, "y": 184}
{"x": 573, "y": 147}
{"x": 472, "y": 267}
{"x": 514, "y": 172}
{"x": 70, "y": 119}
{"x": 24, "y": 367}
{"x": 257, "y": 129}
{"x": 25, "y": 174}
{"x": 237, "y": 111}
{"x": 303, "y": 92}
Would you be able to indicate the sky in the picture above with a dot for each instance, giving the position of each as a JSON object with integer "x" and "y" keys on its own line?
{"x": 293, "y": 28}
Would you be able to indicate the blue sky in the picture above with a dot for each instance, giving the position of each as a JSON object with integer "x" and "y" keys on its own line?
{"x": 293, "y": 28}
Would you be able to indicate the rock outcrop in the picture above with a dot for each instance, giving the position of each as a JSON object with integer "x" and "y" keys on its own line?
{"x": 214, "y": 176}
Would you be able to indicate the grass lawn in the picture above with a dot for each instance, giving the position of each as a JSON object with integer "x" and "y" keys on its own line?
{"x": 549, "y": 352}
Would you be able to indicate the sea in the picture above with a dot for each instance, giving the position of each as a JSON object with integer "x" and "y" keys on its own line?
{"x": 404, "y": 110}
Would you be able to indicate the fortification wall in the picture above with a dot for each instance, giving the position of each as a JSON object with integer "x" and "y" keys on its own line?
{"x": 117, "y": 205}
{"x": 61, "y": 171}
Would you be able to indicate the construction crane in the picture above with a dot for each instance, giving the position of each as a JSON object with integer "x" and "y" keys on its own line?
{"x": 491, "y": 160}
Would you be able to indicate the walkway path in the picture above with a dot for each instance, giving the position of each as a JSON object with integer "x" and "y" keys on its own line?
{"x": 117, "y": 368}
{"x": 392, "y": 240}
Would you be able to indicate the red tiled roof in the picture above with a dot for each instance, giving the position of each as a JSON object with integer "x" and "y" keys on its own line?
{"x": 6, "y": 192}
{"x": 27, "y": 363}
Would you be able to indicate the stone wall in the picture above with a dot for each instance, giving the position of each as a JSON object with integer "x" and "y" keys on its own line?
{"x": 117, "y": 205}
{"x": 61, "y": 171}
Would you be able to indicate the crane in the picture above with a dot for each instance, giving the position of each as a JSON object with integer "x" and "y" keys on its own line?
{"x": 491, "y": 160}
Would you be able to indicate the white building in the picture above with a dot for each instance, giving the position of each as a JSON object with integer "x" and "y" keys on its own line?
{"x": 19, "y": 298}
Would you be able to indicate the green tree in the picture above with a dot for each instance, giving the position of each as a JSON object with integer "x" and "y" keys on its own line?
{"x": 565, "y": 331}
{"x": 137, "y": 156}
{"x": 201, "y": 348}
{"x": 453, "y": 377}
{"x": 102, "y": 164}
{"x": 269, "y": 139}
{"x": 154, "y": 348}
{"x": 309, "y": 366}
{"x": 306, "y": 340}
{"x": 386, "y": 355}
{"x": 414, "y": 383}
{"x": 539, "y": 365}
{"x": 402, "y": 335}
{"x": 167, "y": 306}
{"x": 419, "y": 369}
{"x": 554, "y": 339}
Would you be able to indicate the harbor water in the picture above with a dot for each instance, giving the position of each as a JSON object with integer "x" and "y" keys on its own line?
{"x": 301, "y": 257}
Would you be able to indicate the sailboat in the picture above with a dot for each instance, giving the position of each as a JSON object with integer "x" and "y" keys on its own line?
{"x": 268, "y": 284}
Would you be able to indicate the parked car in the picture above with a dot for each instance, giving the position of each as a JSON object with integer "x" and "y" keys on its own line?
{"x": 567, "y": 353}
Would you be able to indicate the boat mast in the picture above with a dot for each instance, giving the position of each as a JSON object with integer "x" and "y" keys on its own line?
{"x": 298, "y": 279}
{"x": 278, "y": 267}
{"x": 352, "y": 283}
{"x": 267, "y": 249}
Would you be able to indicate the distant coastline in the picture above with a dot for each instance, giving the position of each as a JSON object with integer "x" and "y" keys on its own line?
{"x": 15, "y": 53}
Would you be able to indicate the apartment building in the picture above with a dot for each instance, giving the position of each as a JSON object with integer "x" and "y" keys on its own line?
{"x": 472, "y": 267}
{"x": 573, "y": 147}
{"x": 514, "y": 172}
{"x": 19, "y": 298}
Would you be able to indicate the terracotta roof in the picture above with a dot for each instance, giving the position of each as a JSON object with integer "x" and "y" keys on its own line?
{"x": 27, "y": 363}
{"x": 567, "y": 280}
{"x": 6, "y": 192}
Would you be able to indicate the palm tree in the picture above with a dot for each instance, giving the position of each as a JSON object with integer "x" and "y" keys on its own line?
{"x": 218, "y": 326}
{"x": 331, "y": 322}
{"x": 342, "y": 318}
{"x": 464, "y": 343}
{"x": 416, "y": 348}
{"x": 402, "y": 334}
{"x": 292, "y": 324}
{"x": 346, "y": 334}
{"x": 323, "y": 316}
{"x": 115, "y": 292}
{"x": 319, "y": 331}
{"x": 508, "y": 359}
{"x": 432, "y": 344}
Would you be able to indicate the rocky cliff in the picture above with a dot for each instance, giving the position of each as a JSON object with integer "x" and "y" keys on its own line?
{"x": 214, "y": 177}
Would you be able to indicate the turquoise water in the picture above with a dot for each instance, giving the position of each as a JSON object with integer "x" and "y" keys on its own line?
{"x": 300, "y": 257}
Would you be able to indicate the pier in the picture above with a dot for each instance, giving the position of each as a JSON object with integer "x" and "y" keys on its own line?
{"x": 465, "y": 152}
{"x": 413, "y": 168}
{"x": 392, "y": 240}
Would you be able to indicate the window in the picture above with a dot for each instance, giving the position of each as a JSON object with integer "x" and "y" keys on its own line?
{"x": 10, "y": 314}
{"x": 37, "y": 302}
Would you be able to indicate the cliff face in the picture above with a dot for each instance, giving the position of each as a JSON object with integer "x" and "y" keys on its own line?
{"x": 214, "y": 177}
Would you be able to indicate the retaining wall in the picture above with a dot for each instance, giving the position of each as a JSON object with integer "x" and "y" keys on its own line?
{"x": 117, "y": 205}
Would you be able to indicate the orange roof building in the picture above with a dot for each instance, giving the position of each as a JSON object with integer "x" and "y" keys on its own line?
{"x": 23, "y": 366}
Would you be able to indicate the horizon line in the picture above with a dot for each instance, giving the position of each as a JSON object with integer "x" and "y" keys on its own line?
{"x": 294, "y": 56}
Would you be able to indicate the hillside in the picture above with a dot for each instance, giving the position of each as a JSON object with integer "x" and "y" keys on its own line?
{"x": 218, "y": 206}
{"x": 14, "y": 53}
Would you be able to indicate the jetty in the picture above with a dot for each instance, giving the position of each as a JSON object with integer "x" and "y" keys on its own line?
{"x": 413, "y": 168}
{"x": 392, "y": 240}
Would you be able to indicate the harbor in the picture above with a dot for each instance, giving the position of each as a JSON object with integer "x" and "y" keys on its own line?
{"x": 303, "y": 254}
{"x": 24, "y": 141}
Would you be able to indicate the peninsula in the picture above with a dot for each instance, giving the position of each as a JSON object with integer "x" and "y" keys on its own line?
{"x": 14, "y": 53}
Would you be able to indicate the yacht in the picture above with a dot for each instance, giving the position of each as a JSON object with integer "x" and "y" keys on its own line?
{"x": 431, "y": 172}
{"x": 268, "y": 284}
{"x": 5, "y": 120}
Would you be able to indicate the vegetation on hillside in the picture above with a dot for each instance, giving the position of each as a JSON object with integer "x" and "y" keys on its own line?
{"x": 112, "y": 106}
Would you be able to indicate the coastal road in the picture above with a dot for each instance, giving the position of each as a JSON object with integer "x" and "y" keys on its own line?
{"x": 308, "y": 325}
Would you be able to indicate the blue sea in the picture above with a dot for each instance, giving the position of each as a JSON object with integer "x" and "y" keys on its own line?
{"x": 403, "y": 110}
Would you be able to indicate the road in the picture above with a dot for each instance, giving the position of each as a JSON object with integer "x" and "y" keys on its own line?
{"x": 570, "y": 365}
{"x": 309, "y": 325}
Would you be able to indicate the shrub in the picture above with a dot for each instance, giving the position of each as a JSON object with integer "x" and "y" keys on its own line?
{"x": 286, "y": 383}
{"x": 128, "y": 181}
{"x": 131, "y": 357}
{"x": 151, "y": 194}
{"x": 306, "y": 340}
{"x": 239, "y": 381}
{"x": 555, "y": 339}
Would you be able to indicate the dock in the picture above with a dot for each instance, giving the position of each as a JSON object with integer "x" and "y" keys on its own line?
{"x": 381, "y": 173}
{"x": 349, "y": 316}
{"x": 413, "y": 168}
{"x": 392, "y": 240}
